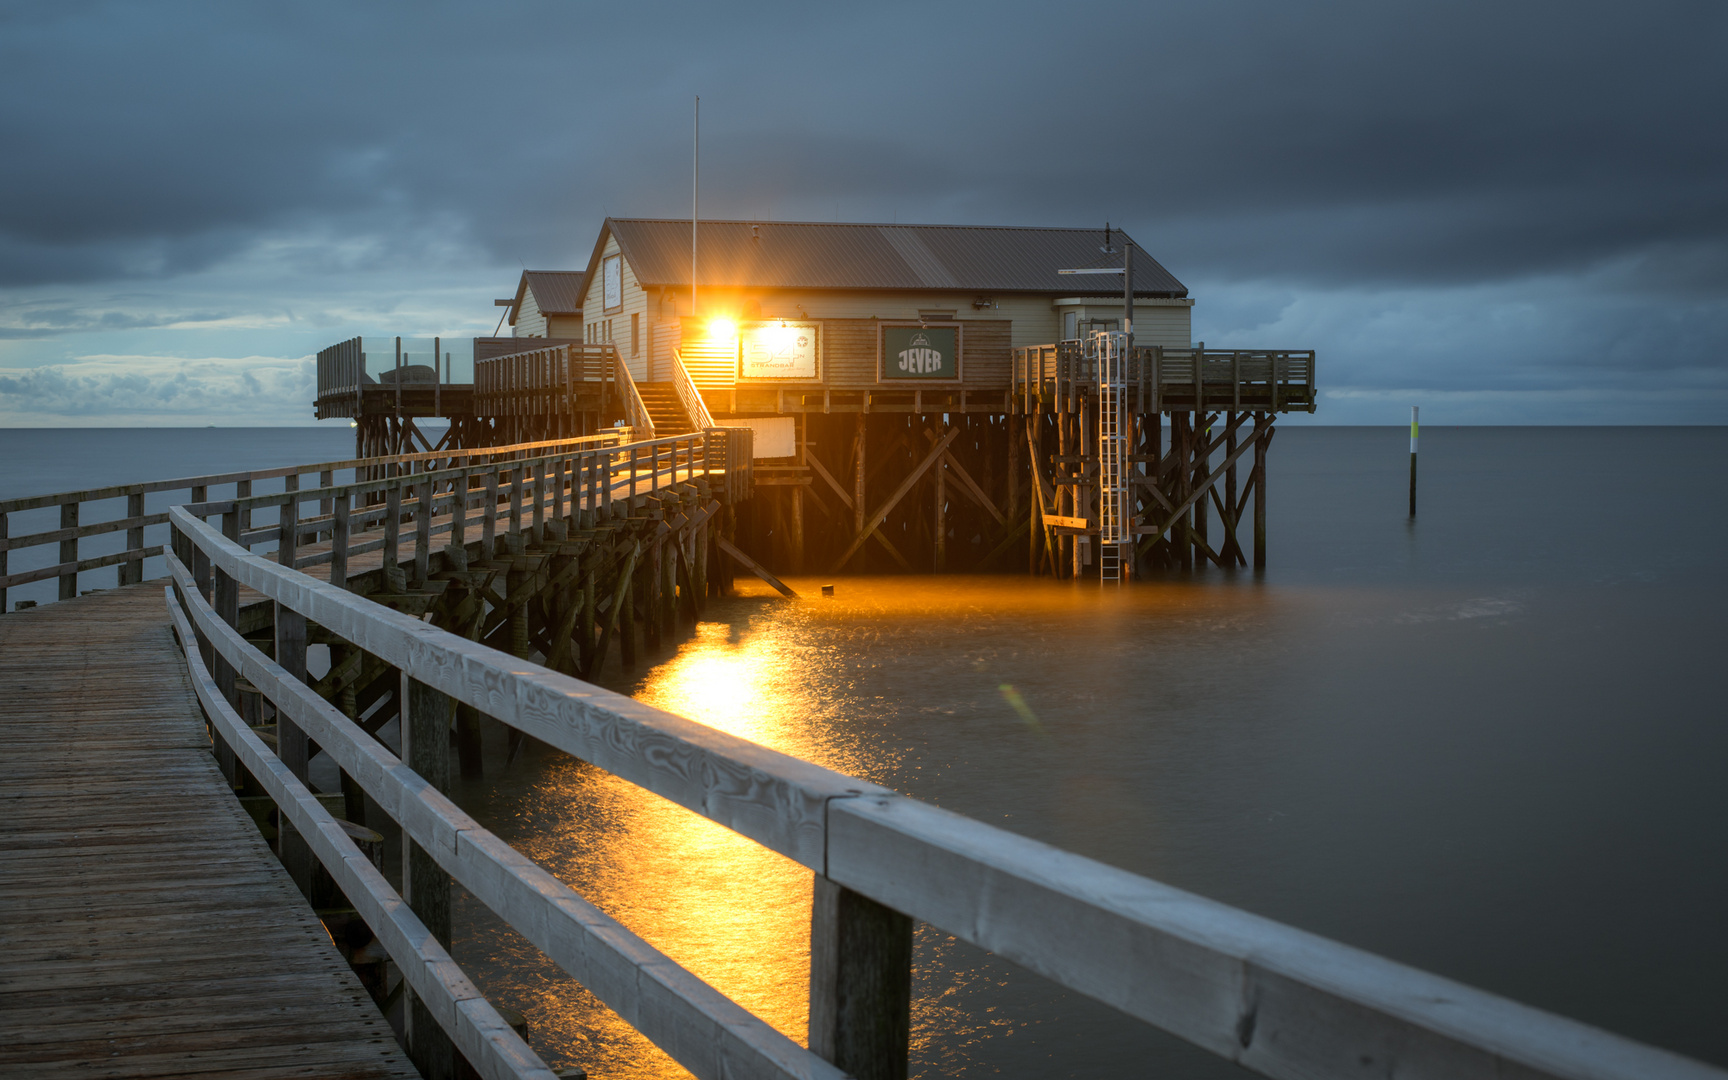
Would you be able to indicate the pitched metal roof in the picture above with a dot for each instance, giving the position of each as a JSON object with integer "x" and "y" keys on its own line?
{"x": 823, "y": 255}
{"x": 556, "y": 292}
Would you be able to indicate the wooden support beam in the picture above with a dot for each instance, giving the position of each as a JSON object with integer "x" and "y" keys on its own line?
{"x": 820, "y": 470}
{"x": 967, "y": 484}
{"x": 1201, "y": 488}
{"x": 755, "y": 567}
{"x": 886, "y": 508}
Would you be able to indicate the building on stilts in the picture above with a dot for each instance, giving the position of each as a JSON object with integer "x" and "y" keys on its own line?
{"x": 922, "y": 398}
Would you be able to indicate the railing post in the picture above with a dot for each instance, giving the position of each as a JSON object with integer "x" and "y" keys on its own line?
{"x": 132, "y": 570}
{"x": 423, "y": 535}
{"x": 391, "y": 557}
{"x": 489, "y": 521}
{"x": 3, "y": 553}
{"x": 227, "y": 608}
{"x": 291, "y": 743}
{"x": 459, "y": 511}
{"x": 69, "y": 551}
{"x": 516, "y": 503}
{"x": 426, "y": 750}
{"x": 860, "y": 983}
{"x": 603, "y": 473}
{"x": 339, "y": 541}
{"x": 539, "y": 529}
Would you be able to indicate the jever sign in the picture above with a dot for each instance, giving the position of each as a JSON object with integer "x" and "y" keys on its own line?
{"x": 920, "y": 352}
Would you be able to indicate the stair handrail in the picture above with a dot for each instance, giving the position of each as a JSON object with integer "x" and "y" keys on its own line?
{"x": 635, "y": 410}
{"x": 694, "y": 406}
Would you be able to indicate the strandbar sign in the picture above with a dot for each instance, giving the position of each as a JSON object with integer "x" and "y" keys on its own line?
{"x": 777, "y": 350}
{"x": 913, "y": 351}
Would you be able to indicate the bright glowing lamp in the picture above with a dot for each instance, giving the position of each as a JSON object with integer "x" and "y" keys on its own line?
{"x": 722, "y": 328}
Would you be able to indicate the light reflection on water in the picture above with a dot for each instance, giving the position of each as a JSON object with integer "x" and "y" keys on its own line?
{"x": 1488, "y": 745}
{"x": 806, "y": 679}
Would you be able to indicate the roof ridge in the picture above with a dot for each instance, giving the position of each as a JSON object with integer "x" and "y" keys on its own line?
{"x": 870, "y": 224}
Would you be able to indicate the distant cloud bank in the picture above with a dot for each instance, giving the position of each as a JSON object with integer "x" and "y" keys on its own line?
{"x": 164, "y": 391}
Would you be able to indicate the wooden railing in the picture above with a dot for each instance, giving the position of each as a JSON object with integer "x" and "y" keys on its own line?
{"x": 537, "y": 380}
{"x": 1161, "y": 378}
{"x": 688, "y": 395}
{"x": 635, "y": 411}
{"x": 1277, "y": 1000}
{"x": 75, "y": 525}
{"x": 516, "y": 488}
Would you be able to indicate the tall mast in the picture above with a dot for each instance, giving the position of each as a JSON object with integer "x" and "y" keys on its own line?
{"x": 695, "y": 192}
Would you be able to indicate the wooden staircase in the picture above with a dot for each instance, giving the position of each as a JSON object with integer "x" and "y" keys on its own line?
{"x": 664, "y": 408}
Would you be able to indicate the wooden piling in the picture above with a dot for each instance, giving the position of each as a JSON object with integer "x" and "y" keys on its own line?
{"x": 1260, "y": 434}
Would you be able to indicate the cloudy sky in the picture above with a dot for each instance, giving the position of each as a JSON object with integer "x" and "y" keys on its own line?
{"x": 1505, "y": 212}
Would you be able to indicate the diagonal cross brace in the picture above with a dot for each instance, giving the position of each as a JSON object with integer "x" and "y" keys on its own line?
{"x": 875, "y": 520}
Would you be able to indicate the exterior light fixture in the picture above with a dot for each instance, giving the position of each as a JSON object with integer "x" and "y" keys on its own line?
{"x": 722, "y": 328}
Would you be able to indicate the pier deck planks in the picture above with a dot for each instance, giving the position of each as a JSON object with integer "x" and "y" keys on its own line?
{"x": 145, "y": 927}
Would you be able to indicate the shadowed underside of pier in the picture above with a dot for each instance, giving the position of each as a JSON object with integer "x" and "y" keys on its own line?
{"x": 145, "y": 927}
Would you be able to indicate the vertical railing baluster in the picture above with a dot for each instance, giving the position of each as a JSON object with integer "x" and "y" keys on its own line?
{"x": 459, "y": 511}
{"x": 69, "y": 550}
{"x": 516, "y": 503}
{"x": 392, "y": 555}
{"x": 539, "y": 517}
{"x": 860, "y": 983}
{"x": 489, "y": 521}
{"x": 4, "y": 534}
{"x": 423, "y": 534}
{"x": 339, "y": 540}
{"x": 134, "y": 568}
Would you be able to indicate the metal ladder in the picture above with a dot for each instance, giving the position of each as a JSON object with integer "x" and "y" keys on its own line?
{"x": 1115, "y": 510}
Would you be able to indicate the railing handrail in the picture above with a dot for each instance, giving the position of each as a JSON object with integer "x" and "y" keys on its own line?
{"x": 635, "y": 410}
{"x": 473, "y": 1025}
{"x": 438, "y": 476}
{"x": 658, "y": 996}
{"x": 700, "y": 418}
{"x": 37, "y": 502}
{"x": 1278, "y": 1000}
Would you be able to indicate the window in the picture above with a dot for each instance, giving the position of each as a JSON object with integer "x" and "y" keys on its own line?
{"x": 636, "y": 334}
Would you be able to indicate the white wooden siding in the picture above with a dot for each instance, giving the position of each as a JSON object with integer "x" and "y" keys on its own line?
{"x": 635, "y": 303}
{"x": 529, "y": 321}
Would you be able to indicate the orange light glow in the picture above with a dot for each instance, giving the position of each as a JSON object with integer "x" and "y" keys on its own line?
{"x": 722, "y": 329}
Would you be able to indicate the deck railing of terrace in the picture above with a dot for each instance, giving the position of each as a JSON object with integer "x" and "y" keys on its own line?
{"x": 1277, "y": 1000}
{"x": 534, "y": 381}
{"x": 1160, "y": 378}
{"x": 137, "y": 521}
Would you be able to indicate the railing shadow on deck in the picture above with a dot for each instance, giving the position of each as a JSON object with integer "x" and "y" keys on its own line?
{"x": 1277, "y": 1000}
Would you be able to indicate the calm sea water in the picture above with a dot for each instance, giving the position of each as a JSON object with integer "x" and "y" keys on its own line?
{"x": 1489, "y": 744}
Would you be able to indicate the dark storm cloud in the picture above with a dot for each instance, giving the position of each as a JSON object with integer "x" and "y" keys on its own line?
{"x": 1322, "y": 144}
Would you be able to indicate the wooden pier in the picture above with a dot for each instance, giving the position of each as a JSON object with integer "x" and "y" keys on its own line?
{"x": 146, "y": 929}
{"x": 463, "y": 588}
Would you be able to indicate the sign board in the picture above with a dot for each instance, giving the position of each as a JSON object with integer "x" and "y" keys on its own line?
{"x": 777, "y": 350}
{"x": 773, "y": 436}
{"x": 920, "y": 352}
{"x": 612, "y": 279}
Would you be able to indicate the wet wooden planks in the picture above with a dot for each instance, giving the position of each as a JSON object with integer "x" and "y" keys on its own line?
{"x": 145, "y": 928}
